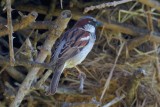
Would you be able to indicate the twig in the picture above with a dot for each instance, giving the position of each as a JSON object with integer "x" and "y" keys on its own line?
{"x": 124, "y": 28}
{"x": 25, "y": 42}
{"x": 51, "y": 10}
{"x": 15, "y": 74}
{"x": 151, "y": 3}
{"x": 24, "y": 22}
{"x": 20, "y": 49}
{"x": 63, "y": 90}
{"x": 114, "y": 101}
{"x": 10, "y": 31}
{"x": 108, "y": 24}
{"x": 106, "y": 86}
{"x": 43, "y": 79}
{"x": 61, "y": 4}
{"x": 151, "y": 28}
{"x": 133, "y": 43}
{"x": 101, "y": 6}
{"x": 25, "y": 63}
{"x": 42, "y": 24}
{"x": 60, "y": 25}
{"x": 157, "y": 62}
{"x": 28, "y": 50}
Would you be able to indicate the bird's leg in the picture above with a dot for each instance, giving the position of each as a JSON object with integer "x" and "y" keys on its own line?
{"x": 82, "y": 77}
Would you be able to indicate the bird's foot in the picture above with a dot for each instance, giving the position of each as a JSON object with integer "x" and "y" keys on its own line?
{"x": 82, "y": 77}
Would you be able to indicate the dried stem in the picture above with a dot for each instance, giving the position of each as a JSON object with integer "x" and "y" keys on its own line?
{"x": 114, "y": 101}
{"x": 51, "y": 9}
{"x": 101, "y": 6}
{"x": 106, "y": 86}
{"x": 151, "y": 28}
{"x": 151, "y": 3}
{"x": 23, "y": 23}
{"x": 5, "y": 66}
{"x": 43, "y": 79}
{"x": 60, "y": 25}
{"x": 25, "y": 63}
{"x": 15, "y": 74}
{"x": 133, "y": 43}
{"x": 10, "y": 31}
{"x": 108, "y": 24}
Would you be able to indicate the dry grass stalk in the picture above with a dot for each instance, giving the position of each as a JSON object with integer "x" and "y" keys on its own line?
{"x": 10, "y": 31}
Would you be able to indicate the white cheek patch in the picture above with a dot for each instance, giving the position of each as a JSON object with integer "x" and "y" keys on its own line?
{"x": 89, "y": 28}
{"x": 85, "y": 38}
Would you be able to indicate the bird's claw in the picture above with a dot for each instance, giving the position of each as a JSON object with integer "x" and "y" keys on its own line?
{"x": 82, "y": 77}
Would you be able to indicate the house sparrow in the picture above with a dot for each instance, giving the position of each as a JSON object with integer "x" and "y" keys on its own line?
{"x": 72, "y": 48}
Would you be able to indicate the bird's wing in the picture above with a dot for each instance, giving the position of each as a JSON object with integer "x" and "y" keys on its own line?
{"x": 70, "y": 44}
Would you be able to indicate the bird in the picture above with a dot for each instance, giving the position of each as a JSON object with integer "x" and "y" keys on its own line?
{"x": 72, "y": 47}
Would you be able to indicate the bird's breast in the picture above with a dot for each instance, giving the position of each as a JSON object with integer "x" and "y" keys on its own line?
{"x": 77, "y": 59}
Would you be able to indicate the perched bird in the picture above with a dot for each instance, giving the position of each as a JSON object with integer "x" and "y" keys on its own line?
{"x": 72, "y": 48}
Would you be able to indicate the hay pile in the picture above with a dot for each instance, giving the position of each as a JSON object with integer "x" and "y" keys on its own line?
{"x": 122, "y": 70}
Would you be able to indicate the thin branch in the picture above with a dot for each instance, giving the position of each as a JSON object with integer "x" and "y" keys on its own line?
{"x": 15, "y": 74}
{"x": 10, "y": 32}
{"x": 25, "y": 63}
{"x": 114, "y": 101}
{"x": 43, "y": 79}
{"x": 101, "y": 6}
{"x": 5, "y": 66}
{"x": 108, "y": 24}
{"x": 151, "y": 28}
{"x": 24, "y": 22}
{"x": 133, "y": 43}
{"x": 60, "y": 25}
{"x": 151, "y": 3}
{"x": 106, "y": 86}
{"x": 51, "y": 9}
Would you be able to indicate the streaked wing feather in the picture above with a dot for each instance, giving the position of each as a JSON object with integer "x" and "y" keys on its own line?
{"x": 73, "y": 44}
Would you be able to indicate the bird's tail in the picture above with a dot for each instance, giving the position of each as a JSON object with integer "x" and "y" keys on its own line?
{"x": 55, "y": 80}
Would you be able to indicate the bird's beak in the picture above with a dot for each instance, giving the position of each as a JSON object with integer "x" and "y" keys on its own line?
{"x": 98, "y": 23}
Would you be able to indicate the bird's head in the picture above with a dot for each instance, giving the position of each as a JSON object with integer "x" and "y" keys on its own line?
{"x": 88, "y": 23}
